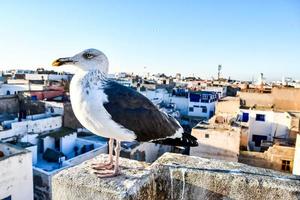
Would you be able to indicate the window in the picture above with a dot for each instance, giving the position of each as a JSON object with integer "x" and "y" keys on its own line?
{"x": 194, "y": 97}
{"x": 204, "y": 109}
{"x": 206, "y": 135}
{"x": 260, "y": 117}
{"x": 245, "y": 117}
{"x": 191, "y": 109}
{"x": 285, "y": 165}
{"x": 258, "y": 138}
{"x": 57, "y": 143}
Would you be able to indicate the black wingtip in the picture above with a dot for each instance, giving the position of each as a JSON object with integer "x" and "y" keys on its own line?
{"x": 187, "y": 140}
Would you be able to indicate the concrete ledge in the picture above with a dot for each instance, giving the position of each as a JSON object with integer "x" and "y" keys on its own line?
{"x": 175, "y": 176}
{"x": 188, "y": 177}
{"x": 80, "y": 182}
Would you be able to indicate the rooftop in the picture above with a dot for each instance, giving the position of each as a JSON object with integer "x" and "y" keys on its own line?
{"x": 8, "y": 150}
{"x": 61, "y": 132}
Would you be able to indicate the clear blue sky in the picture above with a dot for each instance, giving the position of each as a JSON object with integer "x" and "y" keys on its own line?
{"x": 190, "y": 37}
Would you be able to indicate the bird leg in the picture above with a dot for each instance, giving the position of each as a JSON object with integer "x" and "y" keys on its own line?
{"x": 109, "y": 165}
{"x": 116, "y": 170}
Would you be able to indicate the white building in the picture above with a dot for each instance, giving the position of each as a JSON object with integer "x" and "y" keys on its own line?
{"x": 202, "y": 104}
{"x": 47, "y": 77}
{"x": 58, "y": 150}
{"x": 221, "y": 91}
{"x": 9, "y": 89}
{"x": 32, "y": 125}
{"x": 16, "y": 181}
{"x": 265, "y": 124}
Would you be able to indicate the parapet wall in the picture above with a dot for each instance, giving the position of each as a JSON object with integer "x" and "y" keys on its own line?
{"x": 9, "y": 104}
{"x": 175, "y": 176}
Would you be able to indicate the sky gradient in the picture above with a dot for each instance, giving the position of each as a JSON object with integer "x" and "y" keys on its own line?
{"x": 190, "y": 37}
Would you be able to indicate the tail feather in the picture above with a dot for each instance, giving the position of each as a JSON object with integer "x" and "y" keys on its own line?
{"x": 187, "y": 140}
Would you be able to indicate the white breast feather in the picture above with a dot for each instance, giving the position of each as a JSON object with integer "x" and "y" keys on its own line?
{"x": 87, "y": 99}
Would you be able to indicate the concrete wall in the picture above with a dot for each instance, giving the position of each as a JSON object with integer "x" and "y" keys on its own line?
{"x": 252, "y": 99}
{"x": 9, "y": 104}
{"x": 272, "y": 158}
{"x": 42, "y": 186}
{"x": 42, "y": 183}
{"x": 67, "y": 144}
{"x": 16, "y": 174}
{"x": 69, "y": 119}
{"x": 146, "y": 151}
{"x": 81, "y": 141}
{"x": 175, "y": 176}
{"x": 282, "y": 98}
{"x": 32, "y": 107}
{"x": 47, "y": 124}
{"x": 86, "y": 156}
{"x": 49, "y": 142}
{"x": 31, "y": 126}
{"x": 31, "y": 138}
{"x": 216, "y": 143}
{"x": 296, "y": 170}
{"x": 33, "y": 150}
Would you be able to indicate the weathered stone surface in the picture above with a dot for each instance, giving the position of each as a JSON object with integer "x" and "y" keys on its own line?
{"x": 175, "y": 176}
{"x": 187, "y": 177}
{"x": 80, "y": 182}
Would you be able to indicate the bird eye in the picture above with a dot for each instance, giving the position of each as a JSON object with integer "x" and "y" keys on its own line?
{"x": 88, "y": 56}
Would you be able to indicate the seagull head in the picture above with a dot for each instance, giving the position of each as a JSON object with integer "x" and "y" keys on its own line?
{"x": 86, "y": 60}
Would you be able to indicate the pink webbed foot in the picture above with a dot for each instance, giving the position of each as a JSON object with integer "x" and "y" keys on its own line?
{"x": 102, "y": 166}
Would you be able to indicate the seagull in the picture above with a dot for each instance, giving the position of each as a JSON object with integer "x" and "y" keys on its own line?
{"x": 119, "y": 113}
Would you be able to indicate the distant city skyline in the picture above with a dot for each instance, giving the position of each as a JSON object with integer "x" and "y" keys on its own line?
{"x": 194, "y": 37}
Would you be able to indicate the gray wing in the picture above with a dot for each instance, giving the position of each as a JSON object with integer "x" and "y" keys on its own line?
{"x": 135, "y": 112}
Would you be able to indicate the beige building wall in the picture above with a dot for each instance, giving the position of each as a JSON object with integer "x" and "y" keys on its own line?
{"x": 216, "y": 143}
{"x": 228, "y": 106}
{"x": 273, "y": 158}
{"x": 252, "y": 99}
{"x": 285, "y": 98}
{"x": 282, "y": 99}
